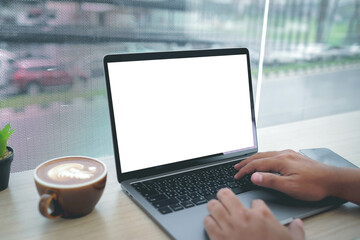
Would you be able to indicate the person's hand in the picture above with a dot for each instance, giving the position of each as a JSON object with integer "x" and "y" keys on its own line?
{"x": 299, "y": 176}
{"x": 229, "y": 219}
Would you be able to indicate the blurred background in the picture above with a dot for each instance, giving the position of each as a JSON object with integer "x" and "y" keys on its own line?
{"x": 52, "y": 86}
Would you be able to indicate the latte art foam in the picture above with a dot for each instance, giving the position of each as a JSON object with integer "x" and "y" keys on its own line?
{"x": 71, "y": 171}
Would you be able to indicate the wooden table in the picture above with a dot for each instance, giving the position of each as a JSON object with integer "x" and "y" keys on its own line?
{"x": 117, "y": 217}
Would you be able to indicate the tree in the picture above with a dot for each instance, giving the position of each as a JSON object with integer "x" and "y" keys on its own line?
{"x": 293, "y": 10}
{"x": 322, "y": 12}
{"x": 301, "y": 10}
{"x": 276, "y": 16}
{"x": 331, "y": 18}
{"x": 283, "y": 23}
{"x": 353, "y": 34}
{"x": 308, "y": 21}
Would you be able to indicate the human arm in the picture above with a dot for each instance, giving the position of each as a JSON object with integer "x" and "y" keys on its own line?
{"x": 229, "y": 219}
{"x": 300, "y": 176}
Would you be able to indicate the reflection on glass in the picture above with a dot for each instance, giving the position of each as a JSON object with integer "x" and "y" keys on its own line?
{"x": 52, "y": 87}
{"x": 311, "y": 63}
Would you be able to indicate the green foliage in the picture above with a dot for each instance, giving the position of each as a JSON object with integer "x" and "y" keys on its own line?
{"x": 21, "y": 101}
{"x": 5, "y": 133}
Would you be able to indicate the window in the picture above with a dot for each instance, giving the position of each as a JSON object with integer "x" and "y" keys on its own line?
{"x": 310, "y": 68}
{"x": 311, "y": 63}
{"x": 70, "y": 117}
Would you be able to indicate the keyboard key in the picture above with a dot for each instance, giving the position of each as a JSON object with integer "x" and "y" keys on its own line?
{"x": 202, "y": 185}
{"x": 221, "y": 181}
{"x": 183, "y": 198}
{"x": 176, "y": 207}
{"x": 192, "y": 189}
{"x": 166, "y": 202}
{"x": 187, "y": 204}
{"x": 212, "y": 184}
{"x": 204, "y": 192}
{"x": 220, "y": 187}
{"x": 199, "y": 201}
{"x": 209, "y": 197}
{"x": 141, "y": 188}
{"x": 164, "y": 189}
{"x": 148, "y": 193}
{"x": 165, "y": 210}
{"x": 151, "y": 185}
{"x": 181, "y": 191}
{"x": 232, "y": 184}
{"x": 156, "y": 198}
{"x": 193, "y": 195}
{"x": 172, "y": 194}
{"x": 236, "y": 190}
{"x": 230, "y": 179}
{"x": 213, "y": 190}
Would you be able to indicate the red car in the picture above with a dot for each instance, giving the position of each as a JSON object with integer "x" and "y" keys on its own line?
{"x": 35, "y": 75}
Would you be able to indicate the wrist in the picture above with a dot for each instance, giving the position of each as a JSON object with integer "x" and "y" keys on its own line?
{"x": 343, "y": 183}
{"x": 339, "y": 181}
{"x": 332, "y": 181}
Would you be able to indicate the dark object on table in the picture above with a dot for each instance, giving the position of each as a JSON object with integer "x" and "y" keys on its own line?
{"x": 5, "y": 169}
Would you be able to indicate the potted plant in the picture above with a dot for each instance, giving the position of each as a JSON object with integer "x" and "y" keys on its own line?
{"x": 6, "y": 156}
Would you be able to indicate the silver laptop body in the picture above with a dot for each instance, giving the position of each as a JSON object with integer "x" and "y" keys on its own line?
{"x": 175, "y": 112}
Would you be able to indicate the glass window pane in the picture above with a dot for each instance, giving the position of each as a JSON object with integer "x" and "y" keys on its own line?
{"x": 311, "y": 63}
{"x": 54, "y": 92}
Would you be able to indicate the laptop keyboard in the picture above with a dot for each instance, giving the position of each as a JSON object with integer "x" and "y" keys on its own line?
{"x": 180, "y": 191}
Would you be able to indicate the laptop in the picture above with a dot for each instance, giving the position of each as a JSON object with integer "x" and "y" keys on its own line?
{"x": 180, "y": 121}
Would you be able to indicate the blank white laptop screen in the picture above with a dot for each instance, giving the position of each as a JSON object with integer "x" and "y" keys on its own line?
{"x": 172, "y": 110}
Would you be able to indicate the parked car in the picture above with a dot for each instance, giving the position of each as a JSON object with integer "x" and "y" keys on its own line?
{"x": 7, "y": 60}
{"x": 314, "y": 51}
{"x": 32, "y": 76}
{"x": 353, "y": 50}
{"x": 333, "y": 52}
{"x": 282, "y": 57}
{"x": 323, "y": 52}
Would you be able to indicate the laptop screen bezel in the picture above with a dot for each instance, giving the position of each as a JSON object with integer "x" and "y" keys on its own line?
{"x": 186, "y": 163}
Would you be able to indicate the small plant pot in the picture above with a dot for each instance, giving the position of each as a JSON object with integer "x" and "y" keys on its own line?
{"x": 5, "y": 170}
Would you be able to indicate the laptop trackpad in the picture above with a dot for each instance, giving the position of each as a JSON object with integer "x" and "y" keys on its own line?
{"x": 286, "y": 208}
